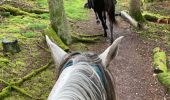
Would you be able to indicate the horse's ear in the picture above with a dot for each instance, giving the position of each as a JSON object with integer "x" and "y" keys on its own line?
{"x": 56, "y": 51}
{"x": 110, "y": 52}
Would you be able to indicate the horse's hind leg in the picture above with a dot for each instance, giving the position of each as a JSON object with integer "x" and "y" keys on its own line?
{"x": 104, "y": 16}
{"x": 103, "y": 23}
{"x": 111, "y": 32}
{"x": 97, "y": 18}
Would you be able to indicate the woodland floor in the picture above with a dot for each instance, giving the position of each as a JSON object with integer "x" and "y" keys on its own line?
{"x": 132, "y": 68}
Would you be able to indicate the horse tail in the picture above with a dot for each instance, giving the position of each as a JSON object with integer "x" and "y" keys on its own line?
{"x": 111, "y": 14}
{"x": 110, "y": 8}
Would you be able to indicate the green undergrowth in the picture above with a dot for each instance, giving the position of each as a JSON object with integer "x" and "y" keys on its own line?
{"x": 29, "y": 34}
{"x": 156, "y": 32}
{"x": 28, "y": 30}
{"x": 154, "y": 14}
{"x": 75, "y": 9}
{"x": 162, "y": 8}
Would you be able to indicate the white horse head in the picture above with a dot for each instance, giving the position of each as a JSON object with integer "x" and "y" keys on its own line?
{"x": 83, "y": 76}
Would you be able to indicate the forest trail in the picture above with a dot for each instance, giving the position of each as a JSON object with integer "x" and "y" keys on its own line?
{"x": 132, "y": 68}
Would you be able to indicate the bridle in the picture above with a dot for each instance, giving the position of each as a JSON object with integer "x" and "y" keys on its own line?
{"x": 93, "y": 60}
{"x": 88, "y": 57}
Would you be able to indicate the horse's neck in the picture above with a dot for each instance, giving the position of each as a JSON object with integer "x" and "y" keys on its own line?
{"x": 78, "y": 82}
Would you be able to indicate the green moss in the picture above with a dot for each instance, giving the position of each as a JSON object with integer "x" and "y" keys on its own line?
{"x": 36, "y": 26}
{"x": 138, "y": 16}
{"x": 22, "y": 91}
{"x": 4, "y": 60}
{"x": 78, "y": 47}
{"x": 89, "y": 35}
{"x": 150, "y": 18}
{"x": 164, "y": 78}
{"x": 10, "y": 29}
{"x": 76, "y": 10}
{"x": 51, "y": 33}
{"x": 161, "y": 8}
{"x": 159, "y": 59}
{"x": 15, "y": 11}
{"x": 15, "y": 95}
{"x": 20, "y": 63}
{"x": 44, "y": 16}
{"x": 153, "y": 17}
{"x": 84, "y": 39}
{"x": 14, "y": 67}
{"x": 5, "y": 14}
{"x": 43, "y": 4}
{"x": 33, "y": 73}
{"x": 29, "y": 34}
{"x": 41, "y": 85}
{"x": 21, "y": 20}
{"x": 5, "y": 92}
{"x": 155, "y": 31}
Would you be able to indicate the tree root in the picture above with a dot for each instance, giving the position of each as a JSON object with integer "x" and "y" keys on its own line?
{"x": 15, "y": 11}
{"x": 156, "y": 18}
{"x": 24, "y": 6}
{"x": 87, "y": 35}
{"x": 33, "y": 73}
{"x": 22, "y": 91}
{"x": 84, "y": 39}
{"x": 5, "y": 92}
{"x": 53, "y": 36}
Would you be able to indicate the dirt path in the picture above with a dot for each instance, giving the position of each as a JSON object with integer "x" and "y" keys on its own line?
{"x": 132, "y": 67}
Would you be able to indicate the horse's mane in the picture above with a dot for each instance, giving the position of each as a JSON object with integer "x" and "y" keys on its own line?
{"x": 79, "y": 82}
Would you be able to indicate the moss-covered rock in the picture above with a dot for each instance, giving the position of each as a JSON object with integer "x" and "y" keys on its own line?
{"x": 164, "y": 79}
{"x": 160, "y": 63}
{"x": 159, "y": 59}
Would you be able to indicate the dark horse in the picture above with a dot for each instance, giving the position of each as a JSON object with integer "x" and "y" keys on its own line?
{"x": 101, "y": 9}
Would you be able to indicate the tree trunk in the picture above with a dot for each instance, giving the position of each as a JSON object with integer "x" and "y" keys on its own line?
{"x": 58, "y": 20}
{"x": 135, "y": 10}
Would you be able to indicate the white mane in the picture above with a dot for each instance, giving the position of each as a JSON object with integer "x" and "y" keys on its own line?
{"x": 78, "y": 82}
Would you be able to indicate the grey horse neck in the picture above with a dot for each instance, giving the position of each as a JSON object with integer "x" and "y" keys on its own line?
{"x": 82, "y": 77}
{"x": 79, "y": 82}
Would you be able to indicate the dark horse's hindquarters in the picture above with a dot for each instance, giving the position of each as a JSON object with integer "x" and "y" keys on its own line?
{"x": 101, "y": 8}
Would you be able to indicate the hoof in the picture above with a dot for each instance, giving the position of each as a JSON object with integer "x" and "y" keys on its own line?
{"x": 111, "y": 41}
{"x": 105, "y": 34}
{"x": 98, "y": 22}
